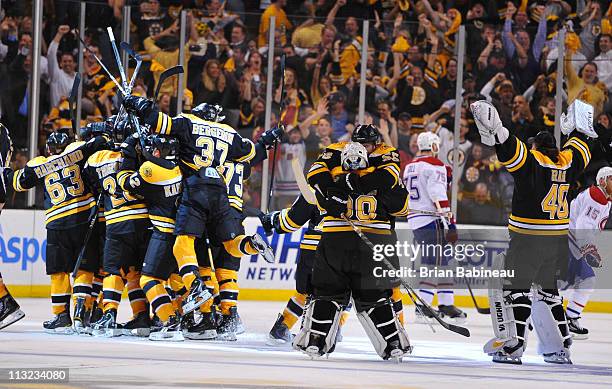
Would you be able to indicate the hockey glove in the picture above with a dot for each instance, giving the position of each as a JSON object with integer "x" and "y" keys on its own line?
{"x": 268, "y": 221}
{"x": 350, "y": 182}
{"x": 591, "y": 255}
{"x": 128, "y": 147}
{"x": 137, "y": 104}
{"x": 270, "y": 137}
{"x": 336, "y": 201}
{"x": 488, "y": 122}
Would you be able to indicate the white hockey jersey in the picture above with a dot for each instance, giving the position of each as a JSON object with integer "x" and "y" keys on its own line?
{"x": 447, "y": 148}
{"x": 589, "y": 213}
{"x": 426, "y": 179}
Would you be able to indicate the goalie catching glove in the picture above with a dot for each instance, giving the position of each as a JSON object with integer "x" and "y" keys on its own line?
{"x": 488, "y": 123}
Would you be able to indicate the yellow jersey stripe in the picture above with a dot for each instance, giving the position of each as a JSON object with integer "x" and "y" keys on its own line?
{"x": 317, "y": 171}
{"x": 162, "y": 219}
{"x": 75, "y": 200}
{"x": 16, "y": 185}
{"x": 124, "y": 208}
{"x": 538, "y": 221}
{"x": 128, "y": 217}
{"x": 537, "y": 232}
{"x": 515, "y": 156}
{"x": 249, "y": 156}
{"x": 520, "y": 162}
{"x": 71, "y": 212}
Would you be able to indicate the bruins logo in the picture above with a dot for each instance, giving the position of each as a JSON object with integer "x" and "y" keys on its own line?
{"x": 418, "y": 96}
{"x": 450, "y": 154}
{"x": 147, "y": 172}
{"x": 327, "y": 155}
{"x": 596, "y": 29}
{"x": 472, "y": 174}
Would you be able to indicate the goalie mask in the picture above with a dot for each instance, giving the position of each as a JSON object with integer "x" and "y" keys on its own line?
{"x": 354, "y": 157}
{"x": 209, "y": 112}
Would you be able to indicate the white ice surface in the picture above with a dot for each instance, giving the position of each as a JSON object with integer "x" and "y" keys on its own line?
{"x": 441, "y": 359}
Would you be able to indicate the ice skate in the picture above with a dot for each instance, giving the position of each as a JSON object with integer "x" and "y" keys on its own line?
{"x": 138, "y": 326}
{"x": 228, "y": 329}
{"x": 205, "y": 329}
{"x": 578, "y": 332}
{"x": 509, "y": 352}
{"x": 60, "y": 324}
{"x": 263, "y": 247}
{"x": 81, "y": 317}
{"x": 561, "y": 357}
{"x": 395, "y": 352}
{"x": 9, "y": 311}
{"x": 198, "y": 295}
{"x": 280, "y": 333}
{"x": 315, "y": 346}
{"x": 169, "y": 331}
{"x": 452, "y": 312}
{"x": 106, "y": 327}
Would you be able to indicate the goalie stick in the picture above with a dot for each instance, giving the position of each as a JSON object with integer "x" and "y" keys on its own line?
{"x": 424, "y": 306}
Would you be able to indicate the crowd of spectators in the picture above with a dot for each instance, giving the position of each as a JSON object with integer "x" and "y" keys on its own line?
{"x": 411, "y": 74}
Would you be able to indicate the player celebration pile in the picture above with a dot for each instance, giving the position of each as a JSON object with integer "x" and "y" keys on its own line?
{"x": 143, "y": 202}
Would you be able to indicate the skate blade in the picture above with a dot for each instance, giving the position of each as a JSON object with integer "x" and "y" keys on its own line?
{"x": 227, "y": 337}
{"x": 172, "y": 336}
{"x": 574, "y": 336}
{"x": 562, "y": 361}
{"x": 12, "y": 318}
{"x": 508, "y": 360}
{"x": 107, "y": 333}
{"x": 206, "y": 335}
{"x": 240, "y": 329}
{"x": 86, "y": 331}
{"x": 60, "y": 331}
{"x": 138, "y": 332}
{"x": 272, "y": 341}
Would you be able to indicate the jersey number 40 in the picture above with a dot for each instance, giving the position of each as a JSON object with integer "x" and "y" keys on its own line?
{"x": 555, "y": 202}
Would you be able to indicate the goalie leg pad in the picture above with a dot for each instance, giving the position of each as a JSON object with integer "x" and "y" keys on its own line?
{"x": 317, "y": 336}
{"x": 388, "y": 336}
{"x": 549, "y": 322}
{"x": 510, "y": 311}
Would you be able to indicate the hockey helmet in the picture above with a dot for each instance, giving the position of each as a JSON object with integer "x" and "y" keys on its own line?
{"x": 354, "y": 156}
{"x": 91, "y": 130}
{"x": 166, "y": 145}
{"x": 602, "y": 176}
{"x": 426, "y": 141}
{"x": 57, "y": 142}
{"x": 120, "y": 128}
{"x": 365, "y": 133}
{"x": 209, "y": 112}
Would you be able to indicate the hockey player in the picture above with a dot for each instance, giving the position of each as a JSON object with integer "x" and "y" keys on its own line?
{"x": 68, "y": 203}
{"x": 589, "y": 213}
{"x": 10, "y": 311}
{"x": 345, "y": 178}
{"x": 538, "y": 228}
{"x": 286, "y": 221}
{"x": 158, "y": 182}
{"x": 425, "y": 177}
{"x": 204, "y": 147}
{"x": 127, "y": 237}
{"x": 226, "y": 265}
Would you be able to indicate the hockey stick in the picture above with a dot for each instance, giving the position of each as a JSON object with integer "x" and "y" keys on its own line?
{"x": 111, "y": 36}
{"x": 178, "y": 69}
{"x": 301, "y": 182}
{"x": 427, "y": 309}
{"x": 280, "y": 112}
{"x": 99, "y": 61}
{"x": 71, "y": 100}
{"x": 484, "y": 311}
{"x": 128, "y": 49}
{"x": 92, "y": 221}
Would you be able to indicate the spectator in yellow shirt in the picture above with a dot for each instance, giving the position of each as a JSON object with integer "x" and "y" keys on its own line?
{"x": 282, "y": 23}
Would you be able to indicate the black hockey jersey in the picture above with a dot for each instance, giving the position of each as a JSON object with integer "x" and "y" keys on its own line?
{"x": 301, "y": 212}
{"x": 366, "y": 210}
{"x": 539, "y": 201}
{"x": 234, "y": 174}
{"x": 124, "y": 213}
{"x": 160, "y": 188}
{"x": 67, "y": 199}
{"x": 202, "y": 143}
